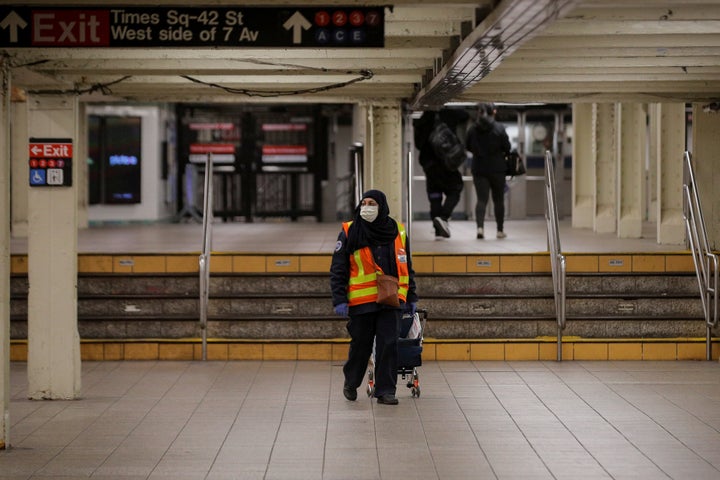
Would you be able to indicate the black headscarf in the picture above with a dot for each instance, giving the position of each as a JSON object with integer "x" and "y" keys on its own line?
{"x": 380, "y": 232}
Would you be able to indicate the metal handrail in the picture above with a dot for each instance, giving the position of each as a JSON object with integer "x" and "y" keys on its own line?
{"x": 359, "y": 166}
{"x": 557, "y": 259}
{"x": 409, "y": 202}
{"x": 204, "y": 260}
{"x": 706, "y": 262}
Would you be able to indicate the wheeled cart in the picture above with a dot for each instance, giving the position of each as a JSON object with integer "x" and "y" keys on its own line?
{"x": 412, "y": 328}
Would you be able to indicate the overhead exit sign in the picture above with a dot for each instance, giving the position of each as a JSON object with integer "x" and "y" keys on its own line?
{"x": 142, "y": 27}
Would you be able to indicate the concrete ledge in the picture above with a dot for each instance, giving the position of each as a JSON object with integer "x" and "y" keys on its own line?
{"x": 544, "y": 348}
{"x": 424, "y": 263}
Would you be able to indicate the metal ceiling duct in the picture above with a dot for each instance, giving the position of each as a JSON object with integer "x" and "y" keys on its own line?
{"x": 510, "y": 24}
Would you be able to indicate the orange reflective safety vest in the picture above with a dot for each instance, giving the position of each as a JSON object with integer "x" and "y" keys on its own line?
{"x": 362, "y": 287}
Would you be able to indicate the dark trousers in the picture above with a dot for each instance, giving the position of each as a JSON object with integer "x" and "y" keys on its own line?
{"x": 443, "y": 190}
{"x": 484, "y": 185}
{"x": 382, "y": 326}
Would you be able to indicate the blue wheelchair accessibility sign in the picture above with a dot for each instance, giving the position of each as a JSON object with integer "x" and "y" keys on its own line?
{"x": 37, "y": 177}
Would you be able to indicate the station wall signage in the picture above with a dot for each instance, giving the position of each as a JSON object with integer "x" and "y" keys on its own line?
{"x": 143, "y": 27}
{"x": 50, "y": 162}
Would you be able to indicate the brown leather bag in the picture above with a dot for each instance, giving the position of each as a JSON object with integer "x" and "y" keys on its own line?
{"x": 387, "y": 286}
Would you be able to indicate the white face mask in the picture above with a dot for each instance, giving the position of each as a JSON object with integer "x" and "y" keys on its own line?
{"x": 369, "y": 212}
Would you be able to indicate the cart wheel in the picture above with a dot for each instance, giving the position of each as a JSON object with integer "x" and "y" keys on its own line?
{"x": 371, "y": 384}
{"x": 410, "y": 384}
{"x": 415, "y": 391}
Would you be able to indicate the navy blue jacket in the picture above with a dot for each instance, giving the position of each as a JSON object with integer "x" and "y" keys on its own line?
{"x": 385, "y": 259}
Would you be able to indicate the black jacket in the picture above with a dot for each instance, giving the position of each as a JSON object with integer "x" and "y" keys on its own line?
{"x": 489, "y": 143}
{"x": 424, "y": 125}
{"x": 385, "y": 259}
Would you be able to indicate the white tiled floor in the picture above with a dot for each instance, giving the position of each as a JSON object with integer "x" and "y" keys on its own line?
{"x": 524, "y": 236}
{"x": 289, "y": 420}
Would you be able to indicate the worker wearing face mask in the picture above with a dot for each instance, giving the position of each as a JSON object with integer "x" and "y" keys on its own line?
{"x": 372, "y": 242}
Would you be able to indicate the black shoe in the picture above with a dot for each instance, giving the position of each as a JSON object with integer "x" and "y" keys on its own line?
{"x": 442, "y": 227}
{"x": 387, "y": 399}
{"x": 350, "y": 393}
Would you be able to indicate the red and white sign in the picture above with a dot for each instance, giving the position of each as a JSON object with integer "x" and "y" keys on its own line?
{"x": 212, "y": 126}
{"x": 284, "y": 127}
{"x": 284, "y": 150}
{"x": 284, "y": 153}
{"x": 212, "y": 148}
{"x": 51, "y": 150}
{"x": 70, "y": 28}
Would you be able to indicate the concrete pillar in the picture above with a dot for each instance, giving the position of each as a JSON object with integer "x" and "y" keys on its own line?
{"x": 631, "y": 148}
{"x": 667, "y": 143}
{"x": 4, "y": 254}
{"x": 53, "y": 339}
{"x": 706, "y": 161}
{"x": 606, "y": 168}
{"x": 386, "y": 160}
{"x": 19, "y": 158}
{"x": 583, "y": 172}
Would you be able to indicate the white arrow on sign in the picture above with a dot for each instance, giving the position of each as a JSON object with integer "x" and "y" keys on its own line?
{"x": 14, "y": 21}
{"x": 298, "y": 23}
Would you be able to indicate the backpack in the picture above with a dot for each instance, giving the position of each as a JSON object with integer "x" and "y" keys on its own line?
{"x": 447, "y": 146}
{"x": 515, "y": 165}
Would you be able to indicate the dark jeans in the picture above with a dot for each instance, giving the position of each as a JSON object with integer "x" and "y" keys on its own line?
{"x": 381, "y": 326}
{"x": 484, "y": 184}
{"x": 443, "y": 190}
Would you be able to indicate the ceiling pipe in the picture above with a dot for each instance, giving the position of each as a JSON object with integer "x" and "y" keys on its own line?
{"x": 505, "y": 28}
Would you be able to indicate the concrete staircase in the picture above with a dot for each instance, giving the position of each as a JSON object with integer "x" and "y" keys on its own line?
{"x": 297, "y": 306}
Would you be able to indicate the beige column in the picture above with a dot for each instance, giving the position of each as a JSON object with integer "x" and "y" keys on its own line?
{"x": 631, "y": 148}
{"x": 584, "y": 160}
{"x": 606, "y": 168}
{"x": 385, "y": 160}
{"x": 706, "y": 161}
{"x": 667, "y": 144}
{"x": 19, "y": 158}
{"x": 53, "y": 340}
{"x": 4, "y": 254}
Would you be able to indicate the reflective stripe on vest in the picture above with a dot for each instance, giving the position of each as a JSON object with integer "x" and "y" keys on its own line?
{"x": 362, "y": 287}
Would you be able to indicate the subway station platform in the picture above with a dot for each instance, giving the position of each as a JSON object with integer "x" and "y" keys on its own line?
{"x": 289, "y": 420}
{"x": 276, "y": 236}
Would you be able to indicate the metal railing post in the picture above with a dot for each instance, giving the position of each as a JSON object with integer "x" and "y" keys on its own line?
{"x": 408, "y": 222}
{"x": 204, "y": 260}
{"x": 706, "y": 262}
{"x": 557, "y": 259}
{"x": 359, "y": 166}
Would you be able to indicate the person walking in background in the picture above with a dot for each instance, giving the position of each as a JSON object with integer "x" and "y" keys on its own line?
{"x": 489, "y": 144}
{"x": 443, "y": 185}
{"x": 372, "y": 239}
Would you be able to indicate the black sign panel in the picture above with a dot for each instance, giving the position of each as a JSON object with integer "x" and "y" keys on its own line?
{"x": 142, "y": 27}
{"x": 50, "y": 162}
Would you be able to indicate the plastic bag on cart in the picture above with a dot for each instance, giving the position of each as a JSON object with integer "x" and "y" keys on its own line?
{"x": 415, "y": 327}
{"x": 410, "y": 323}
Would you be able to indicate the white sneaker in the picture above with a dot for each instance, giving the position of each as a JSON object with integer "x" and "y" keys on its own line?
{"x": 501, "y": 235}
{"x": 480, "y": 233}
{"x": 441, "y": 227}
